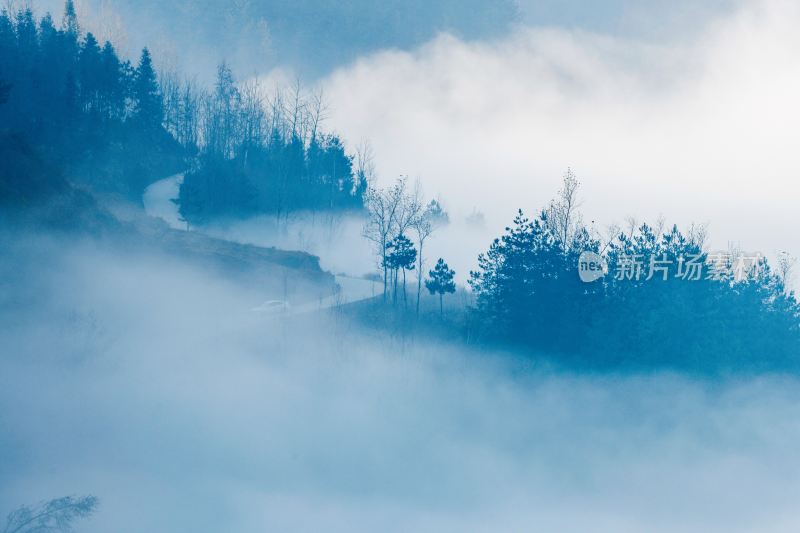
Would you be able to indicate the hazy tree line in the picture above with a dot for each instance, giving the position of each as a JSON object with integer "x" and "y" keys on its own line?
{"x": 529, "y": 293}
{"x": 93, "y": 114}
{"x": 118, "y": 126}
{"x": 259, "y": 152}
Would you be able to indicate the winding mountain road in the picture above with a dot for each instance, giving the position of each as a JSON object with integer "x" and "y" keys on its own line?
{"x": 159, "y": 201}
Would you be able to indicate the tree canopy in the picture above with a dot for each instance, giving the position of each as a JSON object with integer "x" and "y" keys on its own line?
{"x": 76, "y": 102}
{"x": 116, "y": 127}
{"x": 666, "y": 300}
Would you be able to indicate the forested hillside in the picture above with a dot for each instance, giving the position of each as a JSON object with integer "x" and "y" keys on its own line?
{"x": 659, "y": 297}
{"x": 113, "y": 126}
{"x": 646, "y": 296}
{"x": 260, "y": 153}
{"x": 80, "y": 126}
{"x": 88, "y": 112}
{"x": 78, "y": 121}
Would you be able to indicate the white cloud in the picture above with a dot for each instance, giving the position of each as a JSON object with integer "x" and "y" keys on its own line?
{"x": 697, "y": 129}
{"x": 149, "y": 383}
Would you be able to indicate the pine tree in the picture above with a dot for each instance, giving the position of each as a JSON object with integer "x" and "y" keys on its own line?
{"x": 227, "y": 99}
{"x": 401, "y": 256}
{"x": 440, "y": 281}
{"x": 509, "y": 273}
{"x": 27, "y": 36}
{"x": 89, "y": 73}
{"x": 8, "y": 53}
{"x": 112, "y": 90}
{"x": 147, "y": 97}
{"x": 7, "y": 36}
{"x": 437, "y": 214}
{"x": 69, "y": 23}
{"x": 52, "y": 65}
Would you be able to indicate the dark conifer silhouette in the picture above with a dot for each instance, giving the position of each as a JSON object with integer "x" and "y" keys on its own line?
{"x": 69, "y": 23}
{"x": 147, "y": 97}
{"x": 401, "y": 256}
{"x": 528, "y": 292}
{"x": 440, "y": 281}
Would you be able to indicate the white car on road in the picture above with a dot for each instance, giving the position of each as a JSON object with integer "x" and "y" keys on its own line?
{"x": 272, "y": 307}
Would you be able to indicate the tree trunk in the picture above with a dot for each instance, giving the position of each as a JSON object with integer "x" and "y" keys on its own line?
{"x": 394, "y": 295}
{"x": 405, "y": 297}
{"x": 385, "y": 271}
{"x": 441, "y": 305}
{"x": 419, "y": 277}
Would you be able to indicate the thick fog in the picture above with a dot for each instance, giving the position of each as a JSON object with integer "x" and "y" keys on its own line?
{"x": 154, "y": 380}
{"x": 681, "y": 110}
{"x": 310, "y": 38}
{"x": 339, "y": 242}
{"x": 336, "y": 238}
{"x": 694, "y": 126}
{"x": 306, "y": 37}
{"x": 150, "y": 384}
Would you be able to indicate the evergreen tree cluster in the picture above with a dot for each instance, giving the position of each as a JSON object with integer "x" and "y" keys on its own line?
{"x": 529, "y": 294}
{"x": 400, "y": 257}
{"x": 91, "y": 113}
{"x": 117, "y": 127}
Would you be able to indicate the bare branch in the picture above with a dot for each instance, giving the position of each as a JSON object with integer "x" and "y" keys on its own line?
{"x": 55, "y": 515}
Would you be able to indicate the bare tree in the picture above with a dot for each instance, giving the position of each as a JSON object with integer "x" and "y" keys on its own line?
{"x": 55, "y": 515}
{"x": 631, "y": 224}
{"x": 365, "y": 162}
{"x": 698, "y": 233}
{"x": 377, "y": 227}
{"x": 410, "y": 207}
{"x": 393, "y": 212}
{"x": 297, "y": 110}
{"x": 171, "y": 96}
{"x": 423, "y": 224}
{"x": 252, "y": 117}
{"x": 384, "y": 206}
{"x": 277, "y": 108}
{"x": 318, "y": 112}
{"x": 659, "y": 226}
{"x": 606, "y": 239}
{"x": 189, "y": 122}
{"x": 410, "y": 204}
{"x": 563, "y": 214}
{"x": 786, "y": 264}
